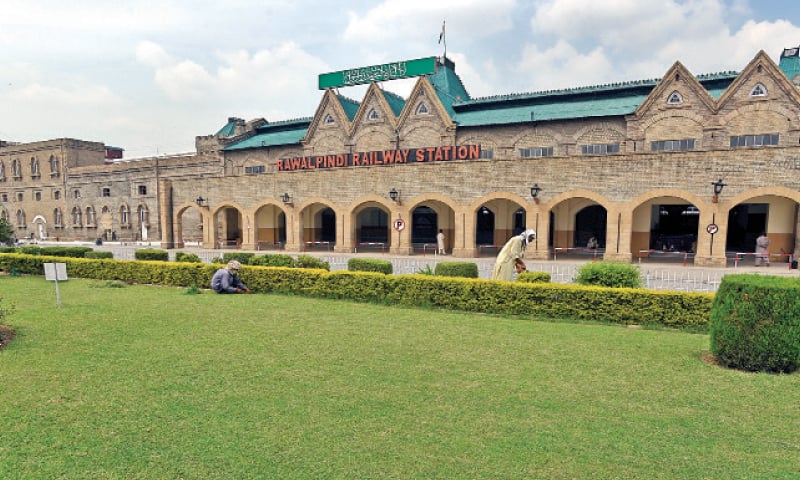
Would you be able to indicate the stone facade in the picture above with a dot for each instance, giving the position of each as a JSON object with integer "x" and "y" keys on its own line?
{"x": 641, "y": 181}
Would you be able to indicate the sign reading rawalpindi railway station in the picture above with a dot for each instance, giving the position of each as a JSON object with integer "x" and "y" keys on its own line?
{"x": 378, "y": 73}
{"x": 382, "y": 157}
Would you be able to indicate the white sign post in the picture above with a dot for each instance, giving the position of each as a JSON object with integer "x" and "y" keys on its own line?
{"x": 56, "y": 272}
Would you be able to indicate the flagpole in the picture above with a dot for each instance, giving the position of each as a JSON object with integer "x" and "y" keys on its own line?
{"x": 443, "y": 39}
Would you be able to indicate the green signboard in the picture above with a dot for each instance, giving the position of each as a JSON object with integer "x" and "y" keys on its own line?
{"x": 378, "y": 73}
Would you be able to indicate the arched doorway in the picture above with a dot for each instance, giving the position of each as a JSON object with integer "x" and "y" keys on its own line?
{"x": 424, "y": 221}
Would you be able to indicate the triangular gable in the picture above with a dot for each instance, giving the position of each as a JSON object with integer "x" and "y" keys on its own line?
{"x": 329, "y": 105}
{"x": 677, "y": 79}
{"x": 424, "y": 91}
{"x": 374, "y": 98}
{"x": 764, "y": 67}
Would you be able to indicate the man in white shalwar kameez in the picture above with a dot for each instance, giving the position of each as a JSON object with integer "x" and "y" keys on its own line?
{"x": 509, "y": 260}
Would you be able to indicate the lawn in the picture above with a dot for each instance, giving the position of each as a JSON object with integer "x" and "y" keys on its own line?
{"x": 149, "y": 382}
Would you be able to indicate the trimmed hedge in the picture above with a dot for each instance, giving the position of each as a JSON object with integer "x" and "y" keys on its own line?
{"x": 273, "y": 260}
{"x": 187, "y": 257}
{"x": 369, "y": 265}
{"x": 151, "y": 254}
{"x": 98, "y": 254}
{"x": 609, "y": 274}
{"x": 533, "y": 277}
{"x": 457, "y": 269}
{"x": 755, "y": 323}
{"x": 616, "y": 305}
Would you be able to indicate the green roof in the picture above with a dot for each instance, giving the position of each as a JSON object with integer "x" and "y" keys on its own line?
{"x": 396, "y": 102}
{"x": 448, "y": 85}
{"x": 274, "y": 134}
{"x": 790, "y": 62}
{"x": 349, "y": 106}
{"x": 228, "y": 129}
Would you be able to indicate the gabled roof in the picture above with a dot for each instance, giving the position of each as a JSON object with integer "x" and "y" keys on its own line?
{"x": 616, "y": 99}
{"x": 274, "y": 134}
{"x": 395, "y": 101}
{"x": 349, "y": 106}
{"x": 448, "y": 85}
{"x": 228, "y": 129}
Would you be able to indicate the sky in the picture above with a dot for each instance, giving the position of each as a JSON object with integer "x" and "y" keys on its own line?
{"x": 149, "y": 76}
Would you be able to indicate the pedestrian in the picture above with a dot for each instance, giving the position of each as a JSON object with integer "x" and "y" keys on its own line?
{"x": 509, "y": 260}
{"x": 226, "y": 280}
{"x": 592, "y": 243}
{"x": 762, "y": 250}
{"x": 440, "y": 242}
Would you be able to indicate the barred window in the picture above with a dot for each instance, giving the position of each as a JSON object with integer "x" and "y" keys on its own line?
{"x": 536, "y": 152}
{"x": 255, "y": 169}
{"x": 106, "y": 192}
{"x": 685, "y": 144}
{"x": 755, "y": 140}
{"x": 599, "y": 148}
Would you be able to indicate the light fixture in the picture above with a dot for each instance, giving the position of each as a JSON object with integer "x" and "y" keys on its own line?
{"x": 394, "y": 195}
{"x": 285, "y": 198}
{"x": 718, "y": 186}
{"x": 663, "y": 212}
{"x": 201, "y": 202}
{"x": 484, "y": 210}
{"x": 535, "y": 189}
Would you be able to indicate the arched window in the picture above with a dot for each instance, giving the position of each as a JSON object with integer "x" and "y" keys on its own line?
{"x": 759, "y": 90}
{"x": 373, "y": 115}
{"x": 34, "y": 167}
{"x": 144, "y": 216}
{"x": 53, "y": 166}
{"x": 124, "y": 215}
{"x": 2, "y": 171}
{"x": 76, "y": 217}
{"x": 16, "y": 169}
{"x": 57, "y": 217}
{"x": 4, "y": 214}
{"x": 675, "y": 98}
{"x": 89, "y": 216}
{"x": 329, "y": 120}
{"x": 20, "y": 218}
{"x": 422, "y": 109}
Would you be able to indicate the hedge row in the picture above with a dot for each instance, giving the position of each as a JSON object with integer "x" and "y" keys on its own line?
{"x": 619, "y": 305}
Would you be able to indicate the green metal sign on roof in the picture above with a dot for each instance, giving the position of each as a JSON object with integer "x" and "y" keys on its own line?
{"x": 378, "y": 73}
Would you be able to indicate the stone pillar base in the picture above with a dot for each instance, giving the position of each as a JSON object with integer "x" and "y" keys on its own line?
{"x": 465, "y": 252}
{"x": 706, "y": 261}
{"x": 618, "y": 257}
{"x": 400, "y": 250}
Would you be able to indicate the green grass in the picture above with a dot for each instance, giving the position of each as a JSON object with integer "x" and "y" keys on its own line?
{"x": 151, "y": 383}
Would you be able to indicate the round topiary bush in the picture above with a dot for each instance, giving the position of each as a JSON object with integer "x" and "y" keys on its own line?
{"x": 755, "y": 323}
{"x": 369, "y": 265}
{"x": 609, "y": 274}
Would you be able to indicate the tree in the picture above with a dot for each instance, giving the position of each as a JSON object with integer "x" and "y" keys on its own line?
{"x": 6, "y": 231}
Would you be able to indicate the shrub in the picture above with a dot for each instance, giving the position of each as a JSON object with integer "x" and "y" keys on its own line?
{"x": 457, "y": 269}
{"x": 369, "y": 265}
{"x": 71, "y": 252}
{"x": 242, "y": 257}
{"x": 533, "y": 277}
{"x": 98, "y": 254}
{"x": 609, "y": 274}
{"x": 755, "y": 323}
{"x": 187, "y": 257}
{"x": 273, "y": 260}
{"x": 30, "y": 250}
{"x": 307, "y": 261}
{"x": 151, "y": 254}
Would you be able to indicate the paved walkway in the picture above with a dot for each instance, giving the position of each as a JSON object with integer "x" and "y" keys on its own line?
{"x": 662, "y": 275}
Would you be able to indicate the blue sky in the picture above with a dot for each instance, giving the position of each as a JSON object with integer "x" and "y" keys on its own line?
{"x": 149, "y": 76}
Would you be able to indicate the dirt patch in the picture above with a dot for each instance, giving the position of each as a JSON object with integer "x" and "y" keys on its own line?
{"x": 6, "y": 336}
{"x": 708, "y": 358}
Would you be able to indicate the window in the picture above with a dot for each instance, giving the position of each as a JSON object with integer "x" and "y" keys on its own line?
{"x": 57, "y": 195}
{"x": 16, "y": 170}
{"x": 142, "y": 189}
{"x": 34, "y": 167}
{"x": 4, "y": 197}
{"x": 53, "y": 166}
{"x": 758, "y": 91}
{"x": 328, "y": 120}
{"x": 675, "y": 98}
{"x": 105, "y": 210}
{"x": 37, "y": 196}
{"x": 20, "y": 196}
{"x": 76, "y": 217}
{"x": 685, "y": 144}
{"x": 599, "y": 148}
{"x": 76, "y": 194}
{"x": 373, "y": 115}
{"x": 536, "y": 152}
{"x": 57, "y": 217}
{"x": 755, "y": 140}
{"x": 89, "y": 216}
{"x": 422, "y": 109}
{"x": 20, "y": 219}
{"x": 2, "y": 172}
{"x": 255, "y": 169}
{"x": 124, "y": 215}
{"x": 106, "y": 192}
{"x": 487, "y": 153}
{"x": 144, "y": 216}
{"x": 4, "y": 215}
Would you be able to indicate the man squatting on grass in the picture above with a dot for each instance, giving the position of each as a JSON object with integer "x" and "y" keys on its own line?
{"x": 226, "y": 280}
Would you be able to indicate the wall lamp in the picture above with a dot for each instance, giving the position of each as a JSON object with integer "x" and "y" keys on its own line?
{"x": 201, "y": 202}
{"x": 395, "y": 196}
{"x": 718, "y": 186}
{"x": 535, "y": 189}
{"x": 286, "y": 199}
